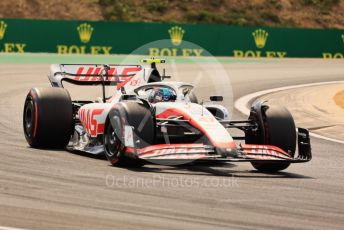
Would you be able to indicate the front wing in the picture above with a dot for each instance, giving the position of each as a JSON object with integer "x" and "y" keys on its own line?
{"x": 244, "y": 152}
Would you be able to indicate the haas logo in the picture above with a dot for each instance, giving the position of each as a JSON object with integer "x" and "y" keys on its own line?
{"x": 89, "y": 121}
{"x": 122, "y": 75}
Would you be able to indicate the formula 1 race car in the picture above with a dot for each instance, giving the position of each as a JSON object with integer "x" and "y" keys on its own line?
{"x": 151, "y": 120}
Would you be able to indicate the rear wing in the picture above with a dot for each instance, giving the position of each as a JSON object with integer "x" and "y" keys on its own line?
{"x": 92, "y": 74}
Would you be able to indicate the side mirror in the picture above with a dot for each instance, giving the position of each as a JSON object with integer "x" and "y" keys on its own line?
{"x": 216, "y": 98}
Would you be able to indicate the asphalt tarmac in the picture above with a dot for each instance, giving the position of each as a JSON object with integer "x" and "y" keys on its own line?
{"x": 49, "y": 189}
{"x": 319, "y": 114}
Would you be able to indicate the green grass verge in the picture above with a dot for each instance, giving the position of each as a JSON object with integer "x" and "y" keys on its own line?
{"x": 30, "y": 58}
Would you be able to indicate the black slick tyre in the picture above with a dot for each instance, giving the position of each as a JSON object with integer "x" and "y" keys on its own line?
{"x": 279, "y": 130}
{"x": 48, "y": 118}
{"x": 137, "y": 116}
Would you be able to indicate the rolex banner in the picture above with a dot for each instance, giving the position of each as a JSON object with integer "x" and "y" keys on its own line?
{"x": 153, "y": 39}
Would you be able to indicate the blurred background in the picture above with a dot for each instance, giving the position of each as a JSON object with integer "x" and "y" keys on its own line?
{"x": 279, "y": 13}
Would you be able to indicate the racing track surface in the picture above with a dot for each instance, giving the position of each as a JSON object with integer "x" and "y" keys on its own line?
{"x": 44, "y": 189}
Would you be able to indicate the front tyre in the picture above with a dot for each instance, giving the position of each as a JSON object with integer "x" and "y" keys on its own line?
{"x": 277, "y": 128}
{"x": 133, "y": 114}
{"x": 112, "y": 145}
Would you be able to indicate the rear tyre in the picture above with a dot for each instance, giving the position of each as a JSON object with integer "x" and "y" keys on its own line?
{"x": 48, "y": 118}
{"x": 279, "y": 130}
{"x": 136, "y": 115}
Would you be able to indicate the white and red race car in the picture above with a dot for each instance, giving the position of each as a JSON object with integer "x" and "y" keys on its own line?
{"x": 150, "y": 120}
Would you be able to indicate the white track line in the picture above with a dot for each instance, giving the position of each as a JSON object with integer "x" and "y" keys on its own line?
{"x": 242, "y": 104}
{"x": 9, "y": 228}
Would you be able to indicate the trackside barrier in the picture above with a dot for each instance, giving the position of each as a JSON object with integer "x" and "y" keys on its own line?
{"x": 95, "y": 37}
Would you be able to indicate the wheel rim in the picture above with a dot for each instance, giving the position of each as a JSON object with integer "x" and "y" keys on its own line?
{"x": 29, "y": 115}
{"x": 112, "y": 143}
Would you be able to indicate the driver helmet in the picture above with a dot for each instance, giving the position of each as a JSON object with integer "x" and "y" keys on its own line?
{"x": 160, "y": 94}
